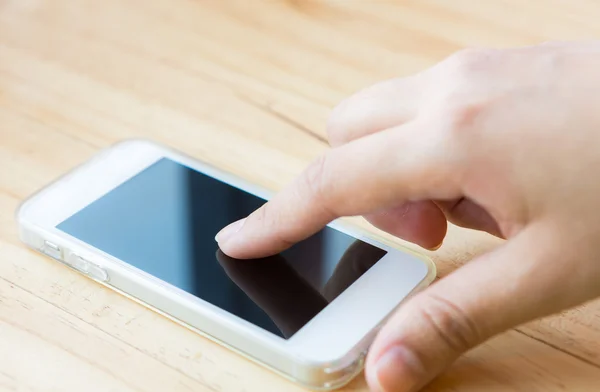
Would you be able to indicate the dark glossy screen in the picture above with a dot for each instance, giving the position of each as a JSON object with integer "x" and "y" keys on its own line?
{"x": 164, "y": 221}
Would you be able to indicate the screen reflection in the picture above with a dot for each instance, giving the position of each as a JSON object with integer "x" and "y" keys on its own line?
{"x": 285, "y": 296}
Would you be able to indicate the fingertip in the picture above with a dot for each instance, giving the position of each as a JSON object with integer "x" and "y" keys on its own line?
{"x": 242, "y": 240}
{"x": 229, "y": 231}
{"x": 370, "y": 372}
{"x": 438, "y": 246}
{"x": 232, "y": 243}
{"x": 397, "y": 369}
{"x": 373, "y": 381}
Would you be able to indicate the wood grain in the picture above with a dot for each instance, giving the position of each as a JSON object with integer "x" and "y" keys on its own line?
{"x": 246, "y": 86}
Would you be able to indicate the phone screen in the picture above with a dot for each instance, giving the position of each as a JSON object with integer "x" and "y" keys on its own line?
{"x": 164, "y": 221}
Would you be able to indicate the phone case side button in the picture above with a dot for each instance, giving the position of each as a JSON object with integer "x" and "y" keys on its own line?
{"x": 97, "y": 273}
{"x": 86, "y": 267}
{"x": 52, "y": 250}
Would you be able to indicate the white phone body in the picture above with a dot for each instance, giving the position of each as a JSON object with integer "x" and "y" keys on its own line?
{"x": 314, "y": 356}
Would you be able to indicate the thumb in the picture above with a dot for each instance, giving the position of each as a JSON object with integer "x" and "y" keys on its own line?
{"x": 515, "y": 283}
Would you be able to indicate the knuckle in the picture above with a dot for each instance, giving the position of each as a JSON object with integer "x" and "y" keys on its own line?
{"x": 316, "y": 177}
{"x": 338, "y": 123}
{"x": 351, "y": 117}
{"x": 452, "y": 325}
{"x": 468, "y": 61}
{"x": 317, "y": 183}
{"x": 465, "y": 95}
{"x": 463, "y": 116}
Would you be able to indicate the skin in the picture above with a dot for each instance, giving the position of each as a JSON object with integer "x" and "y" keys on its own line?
{"x": 505, "y": 141}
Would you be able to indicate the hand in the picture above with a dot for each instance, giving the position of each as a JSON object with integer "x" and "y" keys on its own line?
{"x": 506, "y": 141}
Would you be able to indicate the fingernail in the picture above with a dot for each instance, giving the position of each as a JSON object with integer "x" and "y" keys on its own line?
{"x": 397, "y": 370}
{"x": 229, "y": 230}
{"x": 438, "y": 246}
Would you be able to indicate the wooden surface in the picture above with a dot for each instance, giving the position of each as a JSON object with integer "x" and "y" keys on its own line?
{"x": 246, "y": 85}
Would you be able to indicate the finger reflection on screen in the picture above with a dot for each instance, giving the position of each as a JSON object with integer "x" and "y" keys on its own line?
{"x": 357, "y": 260}
{"x": 288, "y": 299}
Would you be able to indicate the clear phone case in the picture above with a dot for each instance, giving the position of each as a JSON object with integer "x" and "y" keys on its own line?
{"x": 182, "y": 307}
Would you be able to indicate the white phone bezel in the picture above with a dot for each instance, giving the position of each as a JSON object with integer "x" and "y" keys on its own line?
{"x": 374, "y": 296}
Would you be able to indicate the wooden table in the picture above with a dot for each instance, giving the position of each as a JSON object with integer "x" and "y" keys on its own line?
{"x": 246, "y": 85}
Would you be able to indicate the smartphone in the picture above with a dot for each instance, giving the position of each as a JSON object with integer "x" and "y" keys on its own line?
{"x": 141, "y": 219}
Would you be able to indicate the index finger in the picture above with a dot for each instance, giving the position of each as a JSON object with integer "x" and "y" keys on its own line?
{"x": 381, "y": 106}
{"x": 365, "y": 175}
